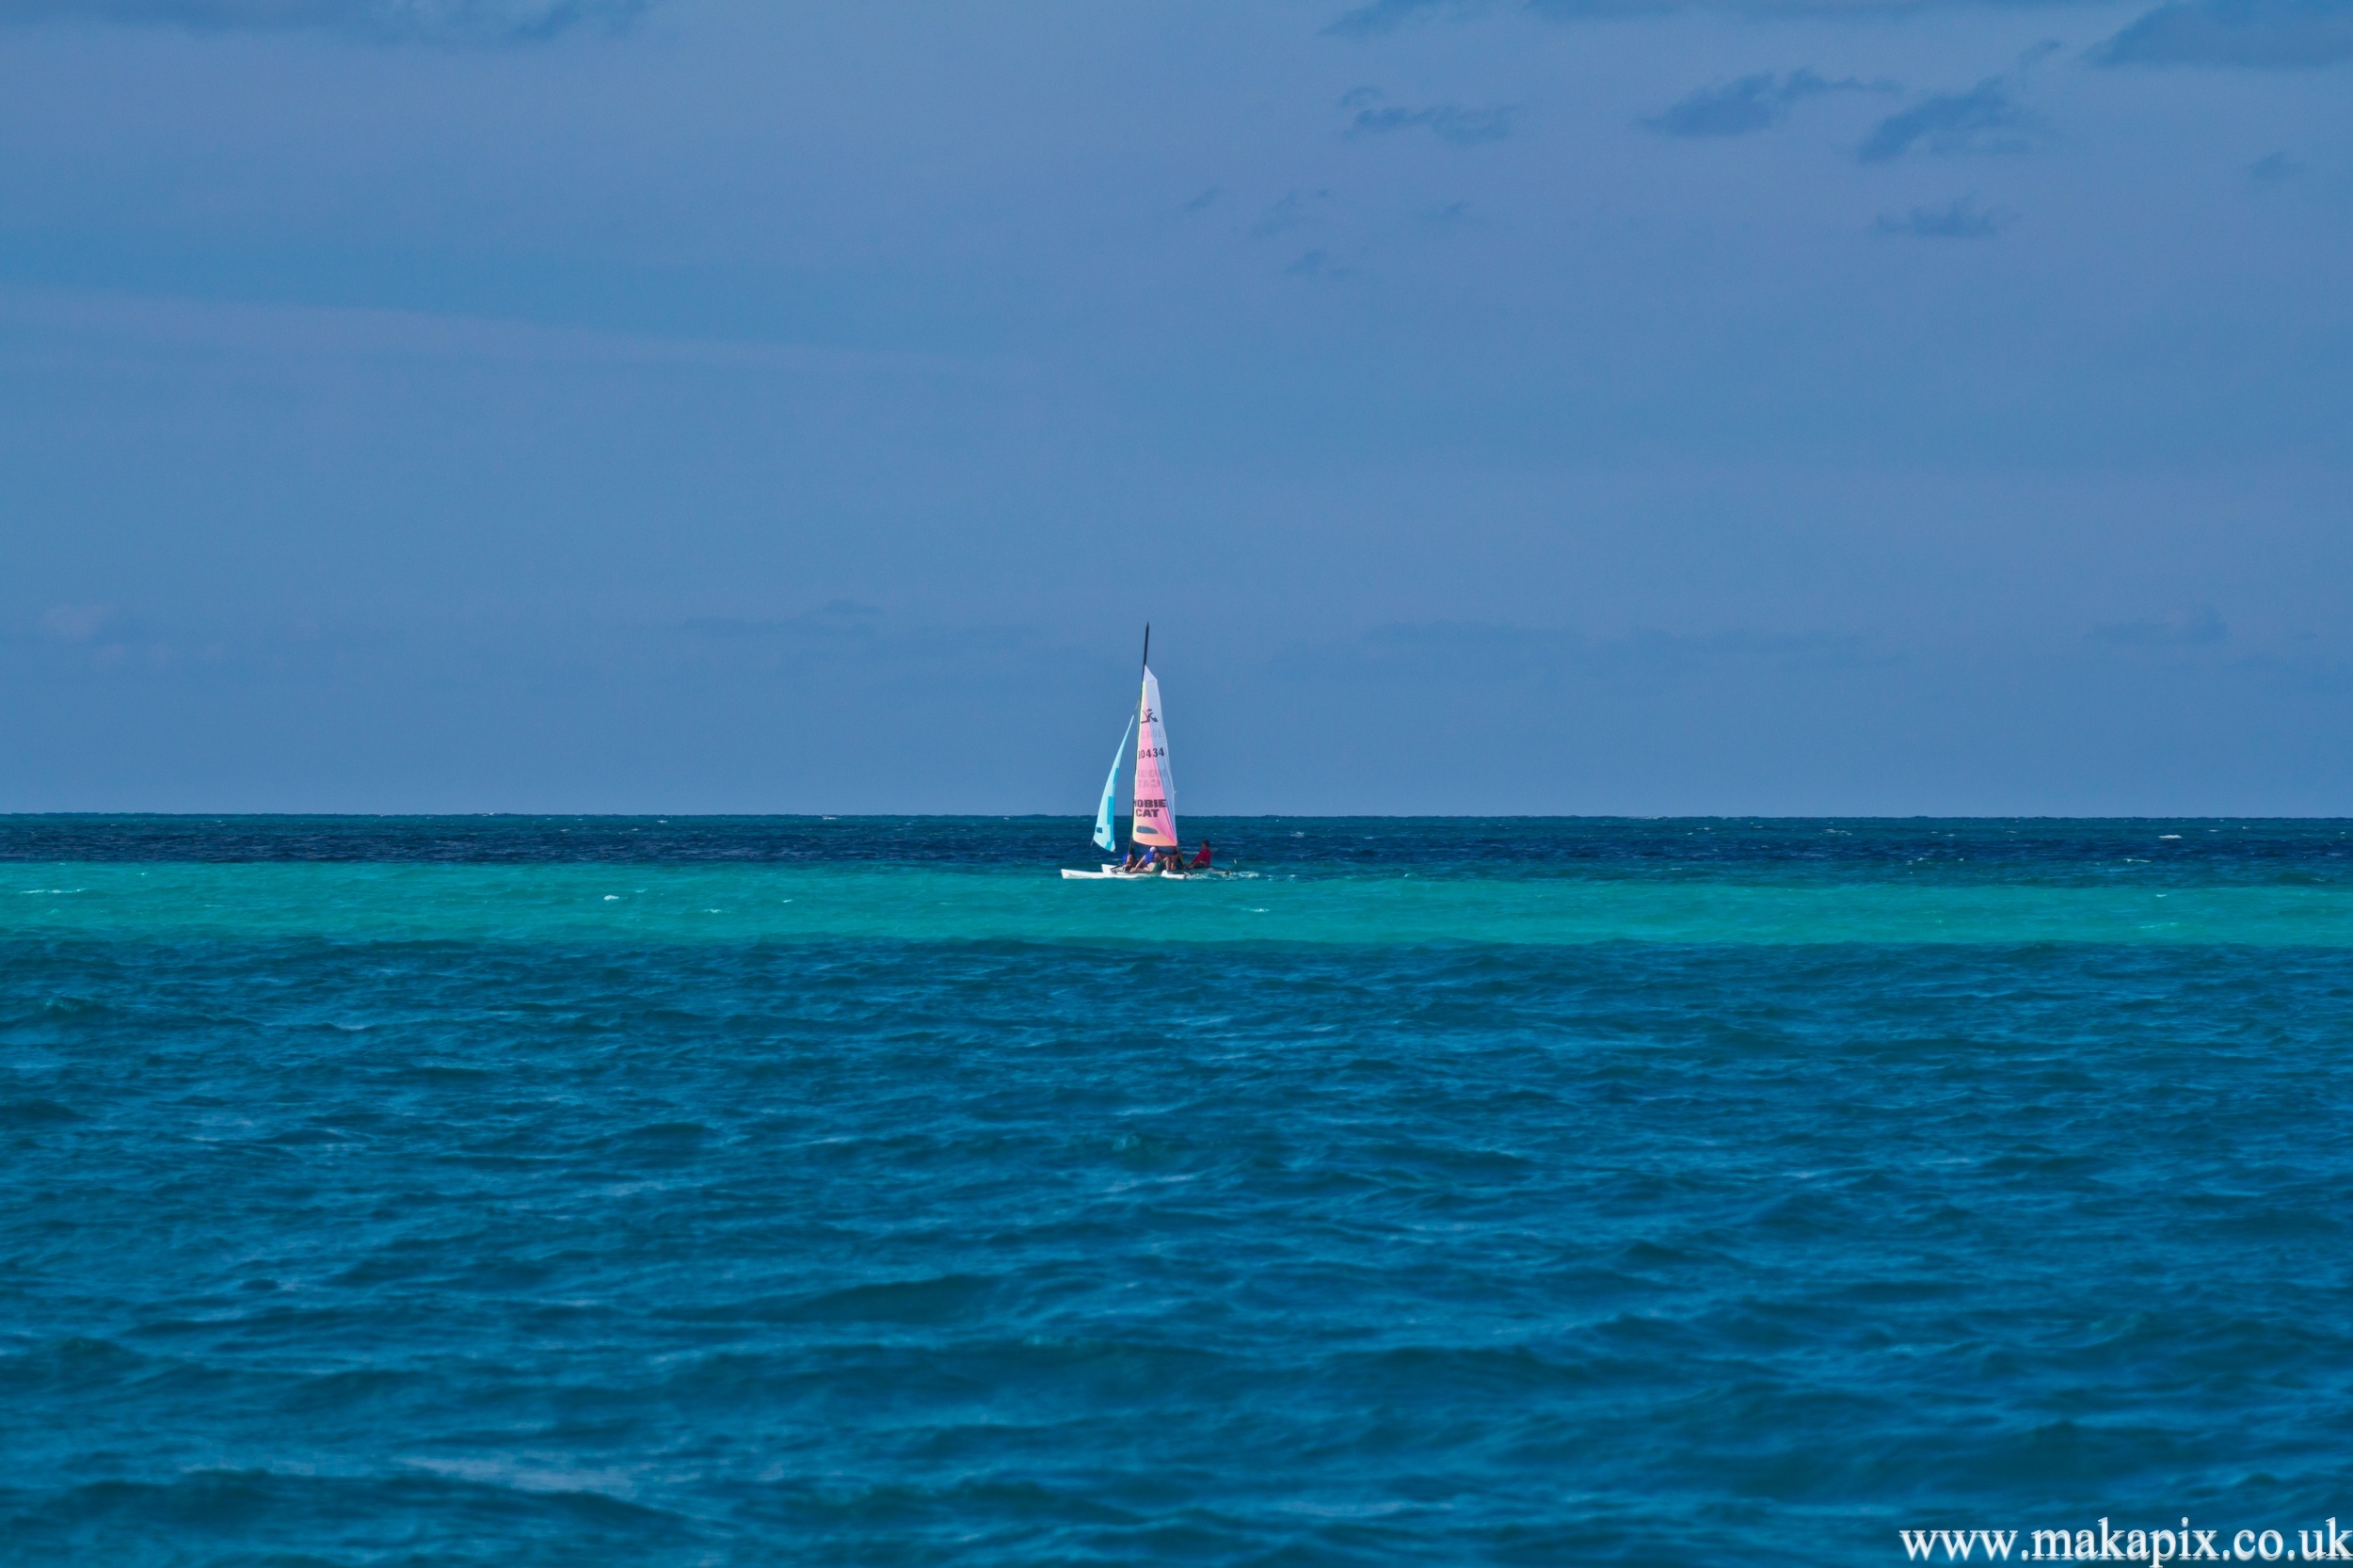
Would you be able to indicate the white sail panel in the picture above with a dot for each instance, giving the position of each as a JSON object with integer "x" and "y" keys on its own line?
{"x": 1105, "y": 836}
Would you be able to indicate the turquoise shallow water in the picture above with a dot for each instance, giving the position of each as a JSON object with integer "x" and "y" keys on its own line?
{"x": 696, "y": 905}
{"x": 644, "y": 1192}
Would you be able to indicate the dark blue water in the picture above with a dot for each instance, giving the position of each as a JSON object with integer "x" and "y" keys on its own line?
{"x": 362, "y": 1200}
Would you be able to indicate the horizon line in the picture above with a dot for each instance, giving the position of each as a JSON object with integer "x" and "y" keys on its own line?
{"x": 666, "y": 817}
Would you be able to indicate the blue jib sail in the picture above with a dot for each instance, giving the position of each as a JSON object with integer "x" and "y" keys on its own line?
{"x": 1104, "y": 835}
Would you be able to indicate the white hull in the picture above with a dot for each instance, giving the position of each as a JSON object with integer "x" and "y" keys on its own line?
{"x": 1112, "y": 873}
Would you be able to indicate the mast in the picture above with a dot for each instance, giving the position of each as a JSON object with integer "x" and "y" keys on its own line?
{"x": 1144, "y": 668}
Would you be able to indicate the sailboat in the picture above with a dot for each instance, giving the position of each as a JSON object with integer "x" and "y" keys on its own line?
{"x": 1154, "y": 811}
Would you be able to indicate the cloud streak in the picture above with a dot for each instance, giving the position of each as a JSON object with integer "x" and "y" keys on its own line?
{"x": 1986, "y": 119}
{"x": 2257, "y": 34}
{"x": 1487, "y": 652}
{"x": 1387, "y": 16}
{"x": 441, "y": 22}
{"x": 1448, "y": 123}
{"x": 1747, "y": 104}
{"x": 2190, "y": 626}
{"x": 1380, "y": 16}
{"x": 1962, "y": 220}
{"x": 1292, "y": 210}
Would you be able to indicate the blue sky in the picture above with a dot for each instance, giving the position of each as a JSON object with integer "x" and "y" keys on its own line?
{"x": 1521, "y": 406}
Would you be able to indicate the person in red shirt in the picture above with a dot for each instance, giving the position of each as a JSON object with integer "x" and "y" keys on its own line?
{"x": 1200, "y": 861}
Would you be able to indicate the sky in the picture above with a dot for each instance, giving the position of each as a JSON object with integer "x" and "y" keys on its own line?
{"x": 1643, "y": 406}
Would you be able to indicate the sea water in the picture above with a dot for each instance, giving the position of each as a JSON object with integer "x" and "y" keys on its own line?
{"x": 639, "y": 1192}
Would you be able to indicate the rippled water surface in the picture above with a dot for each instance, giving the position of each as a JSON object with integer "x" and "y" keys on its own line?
{"x": 565, "y": 1190}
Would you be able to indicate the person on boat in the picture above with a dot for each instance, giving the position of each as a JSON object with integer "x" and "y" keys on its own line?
{"x": 1135, "y": 858}
{"x": 1200, "y": 861}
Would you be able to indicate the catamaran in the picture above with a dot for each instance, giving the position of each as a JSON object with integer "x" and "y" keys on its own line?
{"x": 1154, "y": 823}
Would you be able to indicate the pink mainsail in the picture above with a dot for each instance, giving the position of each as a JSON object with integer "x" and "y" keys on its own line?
{"x": 1156, "y": 794}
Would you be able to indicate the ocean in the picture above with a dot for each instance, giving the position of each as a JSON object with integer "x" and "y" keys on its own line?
{"x": 586, "y": 1191}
